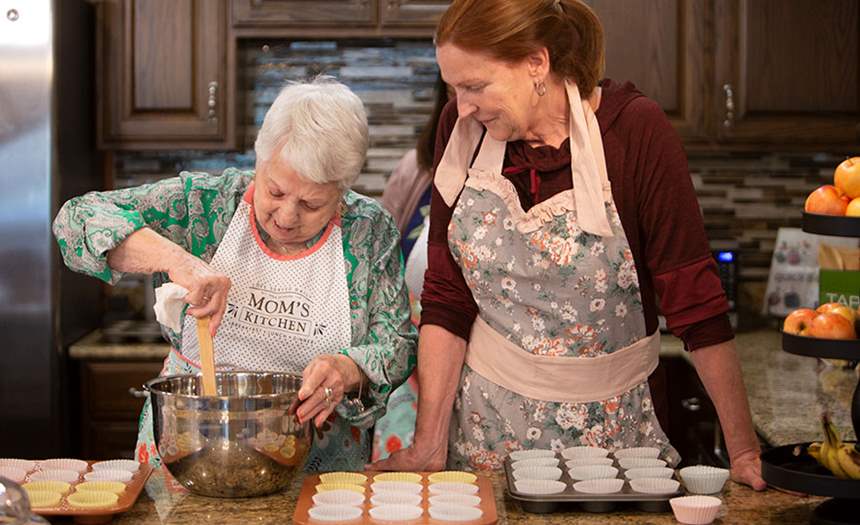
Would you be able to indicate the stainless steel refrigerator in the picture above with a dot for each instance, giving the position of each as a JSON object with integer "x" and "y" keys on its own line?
{"x": 47, "y": 154}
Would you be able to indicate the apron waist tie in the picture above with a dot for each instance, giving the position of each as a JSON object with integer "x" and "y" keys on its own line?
{"x": 560, "y": 379}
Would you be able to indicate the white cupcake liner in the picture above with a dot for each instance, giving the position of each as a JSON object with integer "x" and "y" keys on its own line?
{"x": 695, "y": 510}
{"x": 537, "y": 487}
{"x": 44, "y": 498}
{"x": 338, "y": 497}
{"x": 465, "y": 500}
{"x": 457, "y": 476}
{"x": 334, "y": 513}
{"x": 535, "y": 462}
{"x": 654, "y": 485}
{"x": 14, "y": 473}
{"x": 64, "y": 464}
{"x": 24, "y": 464}
{"x": 396, "y": 486}
{"x": 703, "y": 479}
{"x": 117, "y": 464}
{"x": 538, "y": 473}
{"x": 447, "y": 512}
{"x": 629, "y": 463}
{"x": 517, "y": 455}
{"x": 395, "y": 498}
{"x": 396, "y": 512}
{"x": 637, "y": 452}
{"x": 69, "y": 476}
{"x": 587, "y": 462}
{"x": 649, "y": 472}
{"x": 109, "y": 475}
{"x": 48, "y": 486}
{"x": 453, "y": 487}
{"x": 343, "y": 477}
{"x": 584, "y": 452}
{"x": 406, "y": 477}
{"x": 599, "y": 486}
{"x": 593, "y": 472}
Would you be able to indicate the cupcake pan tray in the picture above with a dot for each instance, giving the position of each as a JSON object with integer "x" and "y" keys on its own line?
{"x": 94, "y": 515}
{"x": 485, "y": 492}
{"x": 570, "y": 499}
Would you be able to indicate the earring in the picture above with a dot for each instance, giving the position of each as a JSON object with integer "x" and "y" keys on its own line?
{"x": 540, "y": 88}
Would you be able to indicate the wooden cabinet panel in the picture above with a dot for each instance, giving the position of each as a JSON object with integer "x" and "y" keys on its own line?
{"x": 787, "y": 72}
{"x": 424, "y": 13}
{"x": 659, "y": 45}
{"x": 263, "y": 13}
{"x": 103, "y": 440}
{"x": 106, "y": 387}
{"x": 163, "y": 78}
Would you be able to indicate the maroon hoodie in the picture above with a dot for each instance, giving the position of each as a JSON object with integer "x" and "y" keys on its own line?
{"x": 657, "y": 204}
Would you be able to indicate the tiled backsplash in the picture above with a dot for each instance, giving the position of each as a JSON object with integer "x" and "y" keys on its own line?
{"x": 745, "y": 197}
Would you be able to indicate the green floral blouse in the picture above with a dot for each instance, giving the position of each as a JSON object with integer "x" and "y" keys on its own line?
{"x": 194, "y": 210}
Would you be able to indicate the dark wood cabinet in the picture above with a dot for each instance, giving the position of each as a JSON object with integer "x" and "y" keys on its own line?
{"x": 301, "y": 13}
{"x": 787, "y": 72}
{"x": 660, "y": 46}
{"x": 109, "y": 410}
{"x": 419, "y": 13}
{"x": 164, "y": 75}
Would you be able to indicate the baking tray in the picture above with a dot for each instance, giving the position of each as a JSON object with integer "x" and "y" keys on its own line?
{"x": 570, "y": 499}
{"x": 485, "y": 492}
{"x": 126, "y": 500}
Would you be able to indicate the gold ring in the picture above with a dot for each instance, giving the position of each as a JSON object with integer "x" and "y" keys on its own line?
{"x": 327, "y": 392}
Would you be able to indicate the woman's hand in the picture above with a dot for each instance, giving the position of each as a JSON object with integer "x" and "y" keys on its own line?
{"x": 207, "y": 288}
{"x": 324, "y": 382}
{"x": 746, "y": 469}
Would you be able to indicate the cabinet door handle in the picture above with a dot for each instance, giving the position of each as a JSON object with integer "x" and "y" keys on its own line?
{"x": 212, "y": 102}
{"x": 729, "y": 121}
{"x": 133, "y": 392}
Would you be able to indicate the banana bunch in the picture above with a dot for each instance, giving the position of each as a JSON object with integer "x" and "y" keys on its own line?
{"x": 842, "y": 459}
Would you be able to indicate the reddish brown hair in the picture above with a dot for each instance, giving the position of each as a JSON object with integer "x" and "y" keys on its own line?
{"x": 510, "y": 30}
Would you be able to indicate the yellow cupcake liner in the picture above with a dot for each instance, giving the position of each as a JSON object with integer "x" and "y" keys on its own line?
{"x": 87, "y": 499}
{"x": 114, "y": 487}
{"x": 43, "y": 498}
{"x": 406, "y": 477}
{"x": 344, "y": 477}
{"x": 457, "y": 476}
{"x": 49, "y": 486}
{"x": 322, "y": 487}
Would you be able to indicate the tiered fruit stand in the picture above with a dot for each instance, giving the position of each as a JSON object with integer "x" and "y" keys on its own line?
{"x": 789, "y": 467}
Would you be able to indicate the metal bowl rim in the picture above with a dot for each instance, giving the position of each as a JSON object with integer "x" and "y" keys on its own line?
{"x": 148, "y": 386}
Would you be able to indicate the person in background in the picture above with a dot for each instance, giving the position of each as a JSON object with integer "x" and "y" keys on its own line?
{"x": 407, "y": 198}
{"x": 297, "y": 272}
{"x": 562, "y": 212}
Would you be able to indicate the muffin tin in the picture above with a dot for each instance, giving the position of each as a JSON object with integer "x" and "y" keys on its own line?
{"x": 465, "y": 498}
{"x": 567, "y": 497}
{"x": 72, "y": 474}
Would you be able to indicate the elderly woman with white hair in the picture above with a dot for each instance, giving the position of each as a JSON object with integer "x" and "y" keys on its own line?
{"x": 297, "y": 272}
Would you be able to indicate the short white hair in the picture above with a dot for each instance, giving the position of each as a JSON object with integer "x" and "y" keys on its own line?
{"x": 319, "y": 128}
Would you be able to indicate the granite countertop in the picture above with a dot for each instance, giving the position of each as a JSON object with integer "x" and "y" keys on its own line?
{"x": 162, "y": 506}
{"x": 95, "y": 346}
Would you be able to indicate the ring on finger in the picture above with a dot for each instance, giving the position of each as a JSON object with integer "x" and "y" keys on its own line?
{"x": 327, "y": 392}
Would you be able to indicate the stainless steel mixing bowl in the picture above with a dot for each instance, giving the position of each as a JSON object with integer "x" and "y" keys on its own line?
{"x": 244, "y": 442}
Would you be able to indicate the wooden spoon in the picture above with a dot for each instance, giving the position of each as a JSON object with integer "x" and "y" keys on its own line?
{"x": 207, "y": 357}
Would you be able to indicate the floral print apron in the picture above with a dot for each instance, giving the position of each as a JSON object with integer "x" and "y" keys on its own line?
{"x": 554, "y": 289}
{"x": 282, "y": 311}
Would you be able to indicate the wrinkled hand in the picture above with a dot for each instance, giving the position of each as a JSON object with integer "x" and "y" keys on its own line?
{"x": 414, "y": 458}
{"x": 338, "y": 373}
{"x": 746, "y": 469}
{"x": 207, "y": 289}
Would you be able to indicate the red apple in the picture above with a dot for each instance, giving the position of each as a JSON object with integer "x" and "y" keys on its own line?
{"x": 838, "y": 308}
{"x": 847, "y": 177}
{"x": 826, "y": 200}
{"x": 831, "y": 326}
{"x": 798, "y": 321}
